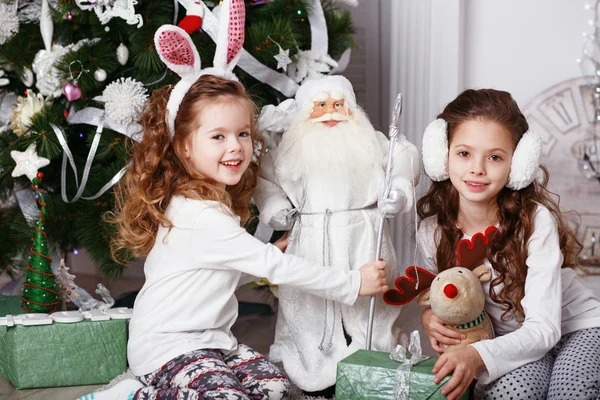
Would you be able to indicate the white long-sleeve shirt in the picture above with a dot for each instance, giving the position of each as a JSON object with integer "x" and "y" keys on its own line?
{"x": 188, "y": 300}
{"x": 555, "y": 302}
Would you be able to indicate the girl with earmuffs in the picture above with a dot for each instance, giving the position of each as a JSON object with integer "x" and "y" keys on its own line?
{"x": 484, "y": 163}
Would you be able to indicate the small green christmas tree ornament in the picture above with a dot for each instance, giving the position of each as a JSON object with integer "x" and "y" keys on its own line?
{"x": 40, "y": 294}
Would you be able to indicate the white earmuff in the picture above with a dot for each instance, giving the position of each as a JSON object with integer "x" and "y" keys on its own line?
{"x": 524, "y": 166}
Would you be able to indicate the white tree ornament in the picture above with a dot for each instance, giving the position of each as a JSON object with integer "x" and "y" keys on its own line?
{"x": 26, "y": 108}
{"x": 283, "y": 58}
{"x": 67, "y": 285}
{"x": 124, "y": 99}
{"x": 46, "y": 25}
{"x": 9, "y": 22}
{"x": 309, "y": 64}
{"x": 28, "y": 162}
{"x": 3, "y": 81}
{"x": 107, "y": 9}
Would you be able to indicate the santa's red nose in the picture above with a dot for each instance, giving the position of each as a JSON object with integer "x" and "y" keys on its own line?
{"x": 450, "y": 290}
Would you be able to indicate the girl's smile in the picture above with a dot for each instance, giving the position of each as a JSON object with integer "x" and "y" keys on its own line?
{"x": 476, "y": 186}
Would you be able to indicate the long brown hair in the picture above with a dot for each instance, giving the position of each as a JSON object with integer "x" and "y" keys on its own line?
{"x": 508, "y": 251}
{"x": 160, "y": 171}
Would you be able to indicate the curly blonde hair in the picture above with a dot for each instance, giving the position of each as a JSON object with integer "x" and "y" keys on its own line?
{"x": 160, "y": 171}
{"x": 507, "y": 252}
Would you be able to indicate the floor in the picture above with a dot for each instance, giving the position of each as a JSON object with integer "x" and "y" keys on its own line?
{"x": 255, "y": 330}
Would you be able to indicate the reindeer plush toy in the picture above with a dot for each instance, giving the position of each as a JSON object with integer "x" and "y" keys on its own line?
{"x": 455, "y": 295}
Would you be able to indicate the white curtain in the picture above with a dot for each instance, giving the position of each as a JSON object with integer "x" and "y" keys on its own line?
{"x": 422, "y": 51}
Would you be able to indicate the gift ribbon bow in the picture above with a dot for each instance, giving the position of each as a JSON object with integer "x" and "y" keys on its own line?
{"x": 400, "y": 354}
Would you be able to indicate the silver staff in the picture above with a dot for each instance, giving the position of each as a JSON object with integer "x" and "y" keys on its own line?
{"x": 393, "y": 135}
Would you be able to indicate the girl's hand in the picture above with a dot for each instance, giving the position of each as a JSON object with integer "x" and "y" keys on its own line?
{"x": 464, "y": 362}
{"x": 372, "y": 279}
{"x": 282, "y": 242}
{"x": 437, "y": 331}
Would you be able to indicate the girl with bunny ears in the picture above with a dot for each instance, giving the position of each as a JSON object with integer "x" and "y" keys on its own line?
{"x": 180, "y": 205}
{"x": 484, "y": 162}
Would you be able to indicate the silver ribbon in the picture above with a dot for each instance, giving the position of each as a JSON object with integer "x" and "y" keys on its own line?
{"x": 319, "y": 41}
{"x": 67, "y": 155}
{"x": 400, "y": 354}
{"x": 27, "y": 202}
{"x": 95, "y": 116}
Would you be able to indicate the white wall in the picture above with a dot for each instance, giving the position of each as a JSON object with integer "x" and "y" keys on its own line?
{"x": 523, "y": 47}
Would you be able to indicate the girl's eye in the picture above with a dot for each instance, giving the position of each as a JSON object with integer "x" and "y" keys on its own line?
{"x": 495, "y": 158}
{"x": 322, "y": 105}
{"x": 463, "y": 153}
{"x": 244, "y": 134}
{"x": 218, "y": 137}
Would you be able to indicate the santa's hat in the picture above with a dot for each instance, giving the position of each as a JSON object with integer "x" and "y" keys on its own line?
{"x": 327, "y": 84}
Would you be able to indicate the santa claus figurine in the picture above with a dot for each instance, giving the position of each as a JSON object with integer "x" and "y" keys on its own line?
{"x": 324, "y": 182}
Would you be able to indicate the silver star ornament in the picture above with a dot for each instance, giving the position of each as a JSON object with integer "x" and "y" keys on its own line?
{"x": 28, "y": 162}
{"x": 283, "y": 58}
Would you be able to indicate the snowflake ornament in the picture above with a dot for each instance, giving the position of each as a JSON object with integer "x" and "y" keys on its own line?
{"x": 9, "y": 22}
{"x": 28, "y": 162}
{"x": 124, "y": 100}
{"x": 309, "y": 64}
{"x": 283, "y": 58}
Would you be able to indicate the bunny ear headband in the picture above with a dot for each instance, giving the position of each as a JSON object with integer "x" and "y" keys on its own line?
{"x": 524, "y": 166}
{"x": 178, "y": 52}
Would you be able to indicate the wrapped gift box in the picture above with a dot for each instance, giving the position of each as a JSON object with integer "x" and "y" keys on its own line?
{"x": 62, "y": 354}
{"x": 373, "y": 375}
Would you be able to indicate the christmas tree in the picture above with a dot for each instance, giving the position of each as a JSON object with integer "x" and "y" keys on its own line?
{"x": 67, "y": 285}
{"x": 84, "y": 69}
{"x": 40, "y": 294}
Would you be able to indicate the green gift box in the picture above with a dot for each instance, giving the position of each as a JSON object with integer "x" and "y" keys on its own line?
{"x": 81, "y": 353}
{"x": 372, "y": 375}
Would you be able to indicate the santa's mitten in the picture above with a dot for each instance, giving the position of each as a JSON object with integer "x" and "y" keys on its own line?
{"x": 283, "y": 220}
{"x": 393, "y": 204}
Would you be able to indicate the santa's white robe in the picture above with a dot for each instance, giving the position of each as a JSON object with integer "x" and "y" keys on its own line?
{"x": 333, "y": 228}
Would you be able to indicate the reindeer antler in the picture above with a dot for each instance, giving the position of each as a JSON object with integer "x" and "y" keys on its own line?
{"x": 471, "y": 253}
{"x": 406, "y": 285}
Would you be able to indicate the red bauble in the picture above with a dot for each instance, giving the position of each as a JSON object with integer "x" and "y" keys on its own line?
{"x": 40, "y": 175}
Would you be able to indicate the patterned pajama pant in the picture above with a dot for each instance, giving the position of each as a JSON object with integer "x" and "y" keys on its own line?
{"x": 243, "y": 374}
{"x": 571, "y": 370}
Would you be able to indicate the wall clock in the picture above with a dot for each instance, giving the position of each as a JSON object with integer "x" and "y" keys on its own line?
{"x": 564, "y": 116}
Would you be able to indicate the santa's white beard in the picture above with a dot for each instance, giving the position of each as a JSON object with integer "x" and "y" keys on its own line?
{"x": 334, "y": 164}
